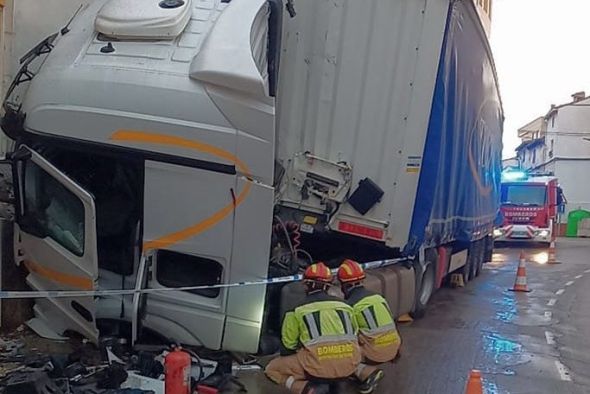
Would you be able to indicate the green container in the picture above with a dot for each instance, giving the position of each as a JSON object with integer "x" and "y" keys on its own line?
{"x": 573, "y": 220}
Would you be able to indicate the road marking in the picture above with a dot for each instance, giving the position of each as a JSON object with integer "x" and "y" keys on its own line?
{"x": 548, "y": 315}
{"x": 587, "y": 271}
{"x": 550, "y": 338}
{"x": 571, "y": 282}
{"x": 552, "y": 302}
{"x": 579, "y": 276}
{"x": 564, "y": 373}
{"x": 560, "y": 291}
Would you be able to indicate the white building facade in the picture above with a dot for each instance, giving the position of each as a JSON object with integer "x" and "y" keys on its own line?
{"x": 561, "y": 146}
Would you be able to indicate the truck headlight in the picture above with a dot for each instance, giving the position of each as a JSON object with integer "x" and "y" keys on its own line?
{"x": 498, "y": 232}
{"x": 544, "y": 233}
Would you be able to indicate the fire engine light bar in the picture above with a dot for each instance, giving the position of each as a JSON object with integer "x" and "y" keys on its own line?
{"x": 514, "y": 175}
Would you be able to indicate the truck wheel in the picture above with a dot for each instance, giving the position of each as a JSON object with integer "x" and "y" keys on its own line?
{"x": 425, "y": 291}
{"x": 481, "y": 254}
{"x": 489, "y": 252}
{"x": 476, "y": 255}
{"x": 465, "y": 271}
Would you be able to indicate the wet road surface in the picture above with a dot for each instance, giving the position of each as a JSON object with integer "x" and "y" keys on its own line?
{"x": 536, "y": 342}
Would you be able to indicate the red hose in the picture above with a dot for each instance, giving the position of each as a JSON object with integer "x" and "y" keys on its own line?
{"x": 292, "y": 229}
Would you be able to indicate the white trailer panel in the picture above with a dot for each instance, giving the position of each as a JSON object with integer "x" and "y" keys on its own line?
{"x": 357, "y": 80}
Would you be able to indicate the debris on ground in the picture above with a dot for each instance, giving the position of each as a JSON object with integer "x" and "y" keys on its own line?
{"x": 33, "y": 365}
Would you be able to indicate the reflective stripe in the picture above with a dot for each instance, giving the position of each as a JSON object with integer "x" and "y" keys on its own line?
{"x": 312, "y": 326}
{"x": 318, "y": 321}
{"x": 333, "y": 339}
{"x": 370, "y": 319}
{"x": 289, "y": 382}
{"x": 346, "y": 323}
{"x": 380, "y": 330}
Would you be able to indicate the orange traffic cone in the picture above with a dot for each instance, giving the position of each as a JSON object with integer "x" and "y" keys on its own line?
{"x": 474, "y": 384}
{"x": 552, "y": 254}
{"x": 520, "y": 283}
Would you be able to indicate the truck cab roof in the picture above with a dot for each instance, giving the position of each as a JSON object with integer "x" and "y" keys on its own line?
{"x": 156, "y": 70}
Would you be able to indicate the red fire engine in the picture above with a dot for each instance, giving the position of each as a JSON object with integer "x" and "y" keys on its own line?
{"x": 529, "y": 209}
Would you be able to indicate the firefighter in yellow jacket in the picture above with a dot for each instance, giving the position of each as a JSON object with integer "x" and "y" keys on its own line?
{"x": 378, "y": 336}
{"x": 319, "y": 338}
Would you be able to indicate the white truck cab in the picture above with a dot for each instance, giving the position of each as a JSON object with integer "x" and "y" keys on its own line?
{"x": 149, "y": 131}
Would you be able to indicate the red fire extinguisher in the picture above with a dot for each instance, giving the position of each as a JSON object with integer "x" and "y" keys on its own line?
{"x": 177, "y": 365}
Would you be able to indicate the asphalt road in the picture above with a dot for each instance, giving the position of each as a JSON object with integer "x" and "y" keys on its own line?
{"x": 536, "y": 342}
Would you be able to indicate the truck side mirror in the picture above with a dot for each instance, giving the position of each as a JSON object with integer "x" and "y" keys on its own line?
{"x": 560, "y": 199}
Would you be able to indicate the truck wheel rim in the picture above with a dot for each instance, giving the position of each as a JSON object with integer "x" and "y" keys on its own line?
{"x": 427, "y": 284}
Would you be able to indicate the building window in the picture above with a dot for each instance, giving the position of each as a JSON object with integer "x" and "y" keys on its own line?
{"x": 553, "y": 121}
{"x": 183, "y": 270}
{"x": 534, "y": 156}
{"x": 551, "y": 151}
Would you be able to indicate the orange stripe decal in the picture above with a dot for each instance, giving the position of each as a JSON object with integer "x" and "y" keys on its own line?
{"x": 209, "y": 222}
{"x": 78, "y": 282}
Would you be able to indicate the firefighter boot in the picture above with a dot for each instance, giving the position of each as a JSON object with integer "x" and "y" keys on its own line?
{"x": 370, "y": 384}
{"x": 311, "y": 388}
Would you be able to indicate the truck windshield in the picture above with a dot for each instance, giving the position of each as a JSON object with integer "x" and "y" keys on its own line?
{"x": 523, "y": 195}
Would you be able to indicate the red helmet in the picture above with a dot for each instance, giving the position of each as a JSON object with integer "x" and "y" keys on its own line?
{"x": 350, "y": 271}
{"x": 318, "y": 272}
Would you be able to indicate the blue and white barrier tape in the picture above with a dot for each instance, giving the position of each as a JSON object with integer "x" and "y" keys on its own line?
{"x": 6, "y": 295}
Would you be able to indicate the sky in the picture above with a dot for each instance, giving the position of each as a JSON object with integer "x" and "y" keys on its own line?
{"x": 542, "y": 56}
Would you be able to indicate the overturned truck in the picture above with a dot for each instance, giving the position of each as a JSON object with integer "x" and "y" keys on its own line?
{"x": 166, "y": 144}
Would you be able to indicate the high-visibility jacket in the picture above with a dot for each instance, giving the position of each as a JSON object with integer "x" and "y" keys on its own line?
{"x": 323, "y": 332}
{"x": 378, "y": 336}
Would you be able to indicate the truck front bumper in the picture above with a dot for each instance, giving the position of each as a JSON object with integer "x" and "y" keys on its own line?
{"x": 522, "y": 234}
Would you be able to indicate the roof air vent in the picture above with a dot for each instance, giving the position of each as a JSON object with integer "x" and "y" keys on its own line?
{"x": 143, "y": 19}
{"x": 171, "y": 3}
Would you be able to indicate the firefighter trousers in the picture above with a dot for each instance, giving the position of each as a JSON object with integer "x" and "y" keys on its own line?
{"x": 287, "y": 371}
{"x": 371, "y": 353}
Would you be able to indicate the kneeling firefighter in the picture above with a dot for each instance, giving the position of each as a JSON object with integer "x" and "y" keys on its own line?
{"x": 378, "y": 336}
{"x": 319, "y": 338}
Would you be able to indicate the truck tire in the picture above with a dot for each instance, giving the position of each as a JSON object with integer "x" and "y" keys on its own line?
{"x": 475, "y": 258}
{"x": 465, "y": 271}
{"x": 426, "y": 285}
{"x": 489, "y": 252}
{"x": 480, "y": 255}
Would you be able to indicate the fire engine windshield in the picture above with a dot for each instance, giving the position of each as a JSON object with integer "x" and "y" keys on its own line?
{"x": 524, "y": 195}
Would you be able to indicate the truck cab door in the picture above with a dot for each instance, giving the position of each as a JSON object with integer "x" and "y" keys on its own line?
{"x": 188, "y": 239}
{"x": 55, "y": 239}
